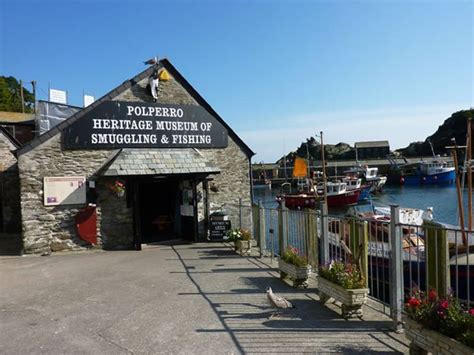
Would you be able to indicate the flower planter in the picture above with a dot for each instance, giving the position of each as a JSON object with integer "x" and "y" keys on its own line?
{"x": 352, "y": 300}
{"x": 243, "y": 247}
{"x": 299, "y": 275}
{"x": 424, "y": 340}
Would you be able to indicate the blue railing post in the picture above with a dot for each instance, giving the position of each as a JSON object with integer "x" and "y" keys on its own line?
{"x": 324, "y": 233}
{"x": 396, "y": 269}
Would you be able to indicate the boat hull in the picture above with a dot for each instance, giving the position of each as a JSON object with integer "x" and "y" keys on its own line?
{"x": 446, "y": 178}
{"x": 346, "y": 199}
{"x": 298, "y": 202}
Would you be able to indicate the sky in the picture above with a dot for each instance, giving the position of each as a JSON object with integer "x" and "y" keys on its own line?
{"x": 276, "y": 71}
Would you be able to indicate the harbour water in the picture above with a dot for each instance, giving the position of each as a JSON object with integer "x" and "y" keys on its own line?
{"x": 443, "y": 199}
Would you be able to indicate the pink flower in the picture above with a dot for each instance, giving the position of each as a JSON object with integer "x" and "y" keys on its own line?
{"x": 444, "y": 304}
{"x": 471, "y": 311}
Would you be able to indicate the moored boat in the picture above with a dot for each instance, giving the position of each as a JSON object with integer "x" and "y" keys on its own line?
{"x": 338, "y": 195}
{"x": 436, "y": 172}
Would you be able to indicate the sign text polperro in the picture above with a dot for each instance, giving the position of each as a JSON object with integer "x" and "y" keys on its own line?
{"x": 118, "y": 124}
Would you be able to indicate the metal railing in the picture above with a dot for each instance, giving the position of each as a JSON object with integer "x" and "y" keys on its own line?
{"x": 398, "y": 256}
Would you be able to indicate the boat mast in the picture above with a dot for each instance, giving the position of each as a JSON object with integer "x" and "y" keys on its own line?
{"x": 469, "y": 173}
{"x": 458, "y": 190}
{"x": 324, "y": 170}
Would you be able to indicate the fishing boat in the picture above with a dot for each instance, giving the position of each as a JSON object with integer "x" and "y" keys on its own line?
{"x": 436, "y": 172}
{"x": 369, "y": 176}
{"x": 307, "y": 196}
{"x": 355, "y": 183}
{"x": 337, "y": 194}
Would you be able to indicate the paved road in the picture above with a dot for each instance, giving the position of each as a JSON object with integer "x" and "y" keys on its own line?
{"x": 188, "y": 299}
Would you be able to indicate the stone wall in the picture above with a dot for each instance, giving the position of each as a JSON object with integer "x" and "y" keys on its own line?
{"x": 10, "y": 218}
{"x": 116, "y": 230}
{"x": 52, "y": 228}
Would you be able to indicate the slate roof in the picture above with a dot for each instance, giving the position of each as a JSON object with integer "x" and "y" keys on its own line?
{"x": 139, "y": 161}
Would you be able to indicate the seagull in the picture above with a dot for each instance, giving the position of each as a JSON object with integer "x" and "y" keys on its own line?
{"x": 152, "y": 61}
{"x": 278, "y": 301}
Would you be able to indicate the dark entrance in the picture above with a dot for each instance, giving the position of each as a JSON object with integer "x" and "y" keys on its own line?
{"x": 159, "y": 218}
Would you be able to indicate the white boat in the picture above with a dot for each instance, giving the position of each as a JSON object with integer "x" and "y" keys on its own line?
{"x": 369, "y": 177}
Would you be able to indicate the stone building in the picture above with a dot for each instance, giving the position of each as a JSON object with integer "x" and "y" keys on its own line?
{"x": 130, "y": 169}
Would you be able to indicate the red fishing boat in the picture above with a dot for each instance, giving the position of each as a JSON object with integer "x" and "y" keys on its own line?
{"x": 338, "y": 195}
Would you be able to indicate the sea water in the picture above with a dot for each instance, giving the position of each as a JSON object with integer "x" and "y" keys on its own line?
{"x": 443, "y": 199}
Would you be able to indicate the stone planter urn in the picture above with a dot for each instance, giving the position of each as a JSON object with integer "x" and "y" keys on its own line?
{"x": 424, "y": 340}
{"x": 352, "y": 300}
{"x": 243, "y": 247}
{"x": 299, "y": 275}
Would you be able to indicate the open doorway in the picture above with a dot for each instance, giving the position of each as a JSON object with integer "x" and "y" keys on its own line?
{"x": 159, "y": 218}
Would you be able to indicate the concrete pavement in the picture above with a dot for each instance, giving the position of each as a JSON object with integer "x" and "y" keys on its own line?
{"x": 182, "y": 299}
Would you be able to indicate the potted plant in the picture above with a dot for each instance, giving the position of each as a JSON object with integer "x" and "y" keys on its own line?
{"x": 242, "y": 240}
{"x": 344, "y": 283}
{"x": 292, "y": 264}
{"x": 438, "y": 324}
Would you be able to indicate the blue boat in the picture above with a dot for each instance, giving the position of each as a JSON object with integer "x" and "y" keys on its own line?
{"x": 436, "y": 172}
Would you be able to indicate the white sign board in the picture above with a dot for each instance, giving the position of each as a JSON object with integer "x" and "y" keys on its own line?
{"x": 58, "y": 96}
{"x": 64, "y": 190}
{"x": 88, "y": 99}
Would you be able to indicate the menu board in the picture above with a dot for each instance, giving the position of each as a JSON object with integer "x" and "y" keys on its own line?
{"x": 64, "y": 190}
{"x": 217, "y": 229}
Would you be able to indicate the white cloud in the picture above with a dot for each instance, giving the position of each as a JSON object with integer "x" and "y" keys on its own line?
{"x": 400, "y": 126}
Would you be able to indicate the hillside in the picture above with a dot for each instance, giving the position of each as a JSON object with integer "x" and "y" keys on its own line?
{"x": 453, "y": 127}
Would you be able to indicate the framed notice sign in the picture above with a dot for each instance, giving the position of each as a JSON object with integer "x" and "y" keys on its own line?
{"x": 64, "y": 190}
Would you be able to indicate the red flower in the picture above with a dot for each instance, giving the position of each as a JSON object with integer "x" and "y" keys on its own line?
{"x": 414, "y": 302}
{"x": 444, "y": 304}
{"x": 471, "y": 311}
{"x": 432, "y": 295}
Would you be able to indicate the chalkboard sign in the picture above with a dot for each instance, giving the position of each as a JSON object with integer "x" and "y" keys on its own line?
{"x": 218, "y": 229}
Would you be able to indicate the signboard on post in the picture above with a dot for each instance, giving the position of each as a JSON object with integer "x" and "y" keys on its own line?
{"x": 117, "y": 124}
{"x": 64, "y": 190}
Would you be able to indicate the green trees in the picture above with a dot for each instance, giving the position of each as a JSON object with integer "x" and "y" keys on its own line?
{"x": 10, "y": 97}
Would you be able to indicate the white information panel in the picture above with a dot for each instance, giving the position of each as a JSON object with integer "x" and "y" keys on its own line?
{"x": 64, "y": 190}
{"x": 58, "y": 96}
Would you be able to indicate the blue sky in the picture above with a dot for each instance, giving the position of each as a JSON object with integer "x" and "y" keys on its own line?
{"x": 276, "y": 71}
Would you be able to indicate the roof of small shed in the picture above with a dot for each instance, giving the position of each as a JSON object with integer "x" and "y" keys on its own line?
{"x": 120, "y": 89}
{"x": 371, "y": 144}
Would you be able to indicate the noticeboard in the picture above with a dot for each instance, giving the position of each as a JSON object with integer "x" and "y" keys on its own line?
{"x": 64, "y": 190}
